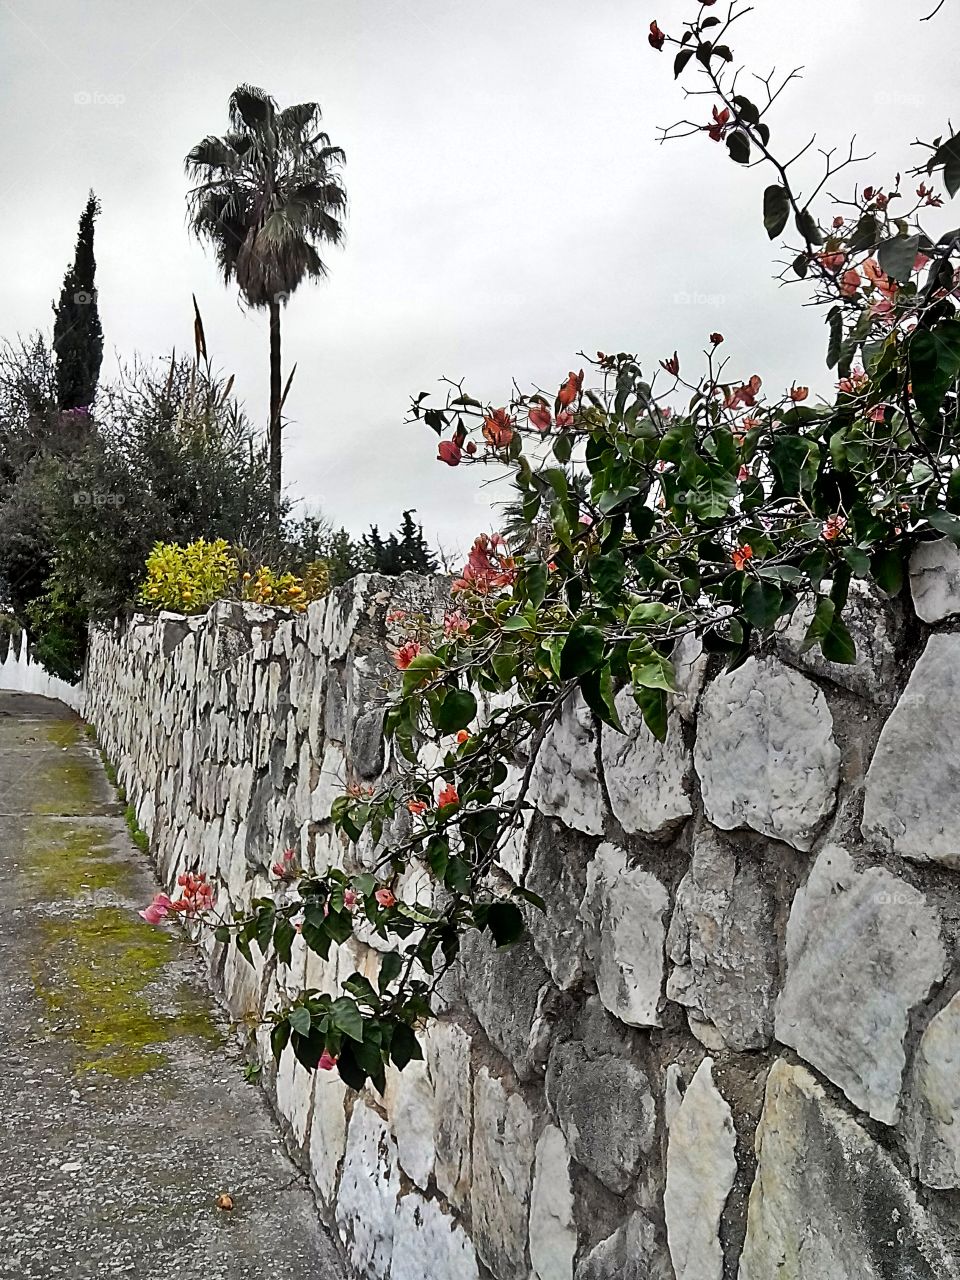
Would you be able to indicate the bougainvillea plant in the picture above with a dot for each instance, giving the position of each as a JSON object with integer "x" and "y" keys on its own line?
{"x": 649, "y": 504}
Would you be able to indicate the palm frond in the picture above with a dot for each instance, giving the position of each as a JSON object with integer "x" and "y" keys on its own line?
{"x": 251, "y": 108}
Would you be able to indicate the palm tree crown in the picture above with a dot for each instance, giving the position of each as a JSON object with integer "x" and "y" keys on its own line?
{"x": 268, "y": 193}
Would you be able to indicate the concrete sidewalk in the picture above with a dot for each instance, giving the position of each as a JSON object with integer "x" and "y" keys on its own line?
{"x": 123, "y": 1110}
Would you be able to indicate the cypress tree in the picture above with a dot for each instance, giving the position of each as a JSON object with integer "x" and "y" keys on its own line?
{"x": 77, "y": 335}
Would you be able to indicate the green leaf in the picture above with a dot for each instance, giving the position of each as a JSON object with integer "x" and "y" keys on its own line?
{"x": 279, "y": 1037}
{"x": 438, "y": 855}
{"x": 391, "y": 964}
{"x": 835, "y": 344}
{"x": 608, "y": 572}
{"x": 505, "y": 922}
{"x": 944, "y": 522}
{"x": 837, "y": 645}
{"x": 795, "y": 461}
{"x": 897, "y": 256}
{"x": 283, "y": 936}
{"x": 865, "y": 235}
{"x": 934, "y": 366}
{"x": 456, "y": 711}
{"x": 948, "y": 155}
{"x": 299, "y": 1020}
{"x": 535, "y": 582}
{"x": 457, "y": 876}
{"x": 351, "y": 1073}
{"x": 653, "y": 705}
{"x": 762, "y": 602}
{"x": 597, "y": 690}
{"x": 404, "y": 1046}
{"x": 347, "y": 1017}
{"x": 887, "y": 567}
{"x": 582, "y": 650}
{"x": 738, "y": 144}
{"x": 776, "y": 210}
{"x": 681, "y": 60}
{"x": 808, "y": 227}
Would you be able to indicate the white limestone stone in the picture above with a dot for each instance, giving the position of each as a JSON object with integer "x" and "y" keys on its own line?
{"x": 723, "y": 947}
{"x": 935, "y": 580}
{"x": 827, "y": 1202}
{"x": 503, "y": 1154}
{"x": 701, "y": 1167}
{"x": 623, "y": 911}
{"x": 412, "y": 1110}
{"x": 873, "y": 670}
{"x": 553, "y": 1232}
{"x": 765, "y": 752}
{"x": 328, "y": 1132}
{"x": 564, "y": 783}
{"x": 447, "y": 1051}
{"x": 648, "y": 781}
{"x": 932, "y": 1113}
{"x": 863, "y": 948}
{"x": 911, "y": 787}
{"x": 430, "y": 1245}
{"x": 369, "y": 1191}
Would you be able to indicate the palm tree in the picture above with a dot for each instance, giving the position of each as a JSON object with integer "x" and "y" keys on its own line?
{"x": 268, "y": 195}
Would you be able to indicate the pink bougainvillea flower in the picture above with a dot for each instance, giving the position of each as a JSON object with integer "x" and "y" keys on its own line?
{"x": 832, "y": 261}
{"x": 406, "y": 654}
{"x": 447, "y": 796}
{"x": 671, "y": 364}
{"x": 564, "y": 419}
{"x": 743, "y": 474}
{"x": 449, "y": 451}
{"x": 878, "y": 413}
{"x": 745, "y": 395}
{"x": 874, "y": 273}
{"x": 455, "y": 624}
{"x": 799, "y": 393}
{"x": 882, "y": 308}
{"x": 540, "y": 417}
{"x": 196, "y": 894}
{"x": 920, "y": 261}
{"x": 471, "y": 448}
{"x": 416, "y": 807}
{"x": 463, "y": 736}
{"x": 721, "y": 119}
{"x": 157, "y": 909}
{"x": 498, "y": 429}
{"x": 833, "y": 527}
{"x": 850, "y": 282}
{"x": 838, "y": 222}
{"x": 488, "y": 566}
{"x": 656, "y": 37}
{"x": 397, "y": 615}
{"x": 278, "y": 869}
{"x": 741, "y": 556}
{"x": 327, "y": 1061}
{"x": 350, "y": 898}
{"x": 386, "y": 897}
{"x": 570, "y": 389}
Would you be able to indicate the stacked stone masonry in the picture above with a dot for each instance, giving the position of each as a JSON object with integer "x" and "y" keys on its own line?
{"x": 729, "y": 1049}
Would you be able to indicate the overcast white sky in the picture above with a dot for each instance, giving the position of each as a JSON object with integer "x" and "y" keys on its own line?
{"x": 509, "y": 204}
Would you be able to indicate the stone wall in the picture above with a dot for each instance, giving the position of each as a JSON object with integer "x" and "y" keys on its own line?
{"x": 731, "y": 1045}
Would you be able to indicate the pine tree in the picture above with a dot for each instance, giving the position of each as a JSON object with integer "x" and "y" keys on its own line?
{"x": 414, "y": 554}
{"x": 77, "y": 335}
{"x": 408, "y": 553}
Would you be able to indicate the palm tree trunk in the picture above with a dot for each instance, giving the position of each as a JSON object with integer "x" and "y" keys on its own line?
{"x": 275, "y": 393}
